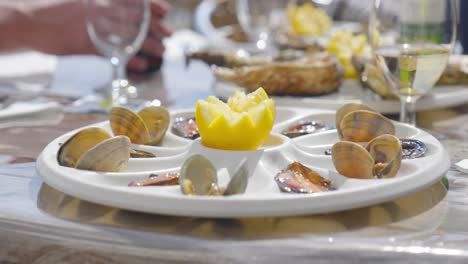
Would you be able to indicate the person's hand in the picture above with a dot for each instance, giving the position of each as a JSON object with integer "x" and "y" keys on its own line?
{"x": 59, "y": 27}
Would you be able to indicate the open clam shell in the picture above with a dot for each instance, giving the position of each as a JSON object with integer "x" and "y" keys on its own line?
{"x": 380, "y": 158}
{"x": 71, "y": 151}
{"x": 387, "y": 154}
{"x": 346, "y": 109}
{"x": 124, "y": 121}
{"x": 147, "y": 127}
{"x": 352, "y": 160}
{"x": 110, "y": 155}
{"x": 198, "y": 177}
{"x": 156, "y": 119}
{"x": 364, "y": 125}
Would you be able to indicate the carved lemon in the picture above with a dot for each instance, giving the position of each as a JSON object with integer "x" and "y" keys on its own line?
{"x": 242, "y": 124}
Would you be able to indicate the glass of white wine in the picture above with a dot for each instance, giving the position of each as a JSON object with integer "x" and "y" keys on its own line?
{"x": 117, "y": 29}
{"x": 412, "y": 41}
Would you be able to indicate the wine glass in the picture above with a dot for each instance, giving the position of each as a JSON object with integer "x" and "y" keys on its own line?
{"x": 118, "y": 28}
{"x": 412, "y": 41}
{"x": 258, "y": 18}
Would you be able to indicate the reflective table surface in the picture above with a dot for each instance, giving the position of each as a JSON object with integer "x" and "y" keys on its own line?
{"x": 39, "y": 224}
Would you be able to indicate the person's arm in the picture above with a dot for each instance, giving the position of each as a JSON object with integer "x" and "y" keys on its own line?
{"x": 58, "y": 27}
{"x": 13, "y": 27}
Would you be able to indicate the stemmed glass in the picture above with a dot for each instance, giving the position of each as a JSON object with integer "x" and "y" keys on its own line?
{"x": 118, "y": 28}
{"x": 258, "y": 18}
{"x": 412, "y": 41}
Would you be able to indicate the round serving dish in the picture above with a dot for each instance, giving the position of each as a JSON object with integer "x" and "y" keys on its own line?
{"x": 262, "y": 197}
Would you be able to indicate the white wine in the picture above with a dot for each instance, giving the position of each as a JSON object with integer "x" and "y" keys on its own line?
{"x": 413, "y": 68}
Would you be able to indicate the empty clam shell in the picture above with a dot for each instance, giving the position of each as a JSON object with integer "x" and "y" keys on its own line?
{"x": 364, "y": 125}
{"x": 352, "y": 160}
{"x": 156, "y": 119}
{"x": 297, "y": 178}
{"x": 305, "y": 127}
{"x": 198, "y": 177}
{"x": 125, "y": 122}
{"x": 71, "y": 151}
{"x": 346, "y": 109}
{"x": 186, "y": 127}
{"x": 110, "y": 155}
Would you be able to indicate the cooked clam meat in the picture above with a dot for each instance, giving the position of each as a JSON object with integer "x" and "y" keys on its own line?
{"x": 412, "y": 148}
{"x": 185, "y": 127}
{"x": 305, "y": 127}
{"x": 297, "y": 178}
{"x": 157, "y": 180}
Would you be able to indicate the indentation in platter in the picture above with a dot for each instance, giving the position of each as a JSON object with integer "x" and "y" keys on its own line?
{"x": 149, "y": 164}
{"x": 326, "y": 118}
{"x": 329, "y": 137}
{"x": 263, "y": 196}
{"x": 406, "y": 131}
{"x": 284, "y": 114}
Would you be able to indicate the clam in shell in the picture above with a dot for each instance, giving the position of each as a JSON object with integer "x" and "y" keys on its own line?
{"x": 387, "y": 154}
{"x": 110, "y": 155}
{"x": 78, "y": 144}
{"x": 94, "y": 149}
{"x": 148, "y": 126}
{"x": 346, "y": 109}
{"x": 363, "y": 126}
{"x": 198, "y": 176}
{"x": 380, "y": 158}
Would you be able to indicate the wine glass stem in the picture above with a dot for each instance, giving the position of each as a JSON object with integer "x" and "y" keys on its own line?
{"x": 119, "y": 81}
{"x": 408, "y": 110}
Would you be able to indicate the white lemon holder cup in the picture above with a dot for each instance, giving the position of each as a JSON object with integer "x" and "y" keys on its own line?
{"x": 227, "y": 159}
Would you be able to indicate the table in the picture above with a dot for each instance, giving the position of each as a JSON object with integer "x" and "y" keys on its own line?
{"x": 41, "y": 225}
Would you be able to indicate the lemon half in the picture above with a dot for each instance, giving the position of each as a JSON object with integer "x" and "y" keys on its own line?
{"x": 242, "y": 124}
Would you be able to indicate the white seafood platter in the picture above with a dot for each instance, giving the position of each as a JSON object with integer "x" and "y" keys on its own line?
{"x": 262, "y": 197}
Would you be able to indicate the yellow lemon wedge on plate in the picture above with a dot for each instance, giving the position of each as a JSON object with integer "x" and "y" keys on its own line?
{"x": 308, "y": 20}
{"x": 344, "y": 45}
{"x": 242, "y": 124}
